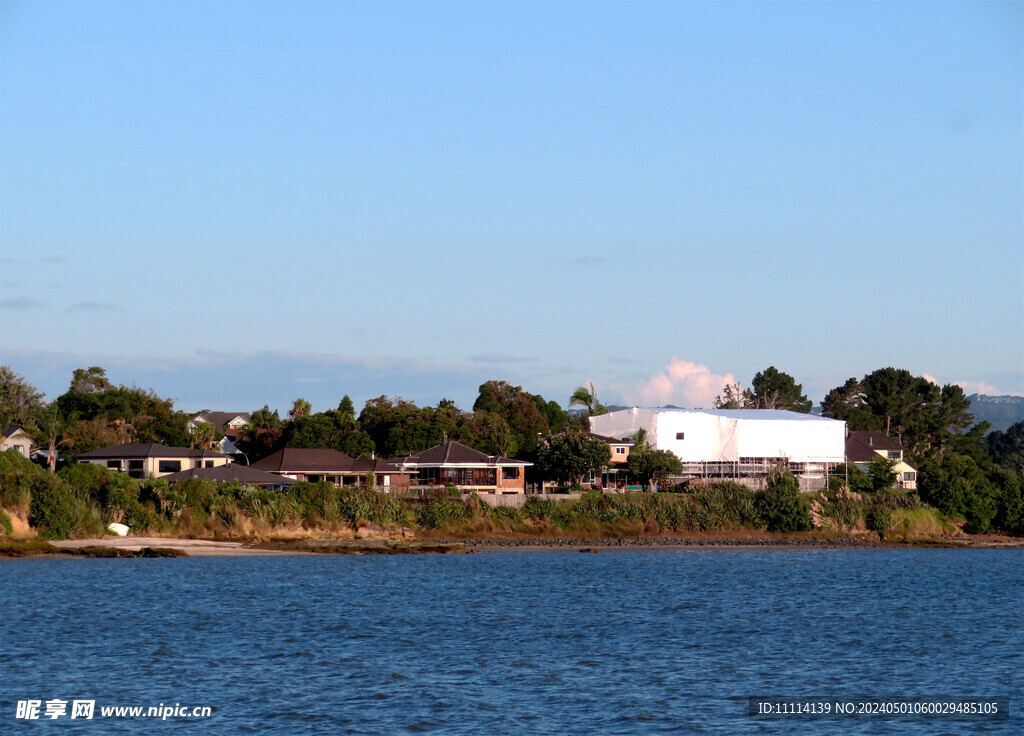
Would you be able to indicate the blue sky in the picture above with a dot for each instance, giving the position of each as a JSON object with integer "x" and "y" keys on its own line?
{"x": 238, "y": 204}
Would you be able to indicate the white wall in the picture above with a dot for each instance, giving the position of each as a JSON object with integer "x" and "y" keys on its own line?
{"x": 716, "y": 436}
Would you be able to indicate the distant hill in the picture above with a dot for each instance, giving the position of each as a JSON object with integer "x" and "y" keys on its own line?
{"x": 1002, "y": 411}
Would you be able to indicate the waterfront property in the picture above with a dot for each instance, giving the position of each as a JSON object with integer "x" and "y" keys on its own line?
{"x": 152, "y": 460}
{"x": 863, "y": 447}
{"x": 469, "y": 470}
{"x": 735, "y": 443}
{"x": 315, "y": 465}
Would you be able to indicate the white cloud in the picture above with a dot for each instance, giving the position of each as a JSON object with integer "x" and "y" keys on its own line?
{"x": 682, "y": 383}
{"x": 972, "y": 387}
{"x": 985, "y": 389}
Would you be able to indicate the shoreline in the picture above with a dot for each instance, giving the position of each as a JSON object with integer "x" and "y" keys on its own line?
{"x": 134, "y": 547}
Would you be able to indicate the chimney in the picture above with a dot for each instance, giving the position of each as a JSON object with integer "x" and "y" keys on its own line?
{"x": 871, "y": 441}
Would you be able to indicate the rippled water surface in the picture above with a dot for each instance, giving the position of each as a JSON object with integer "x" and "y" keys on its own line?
{"x": 629, "y": 642}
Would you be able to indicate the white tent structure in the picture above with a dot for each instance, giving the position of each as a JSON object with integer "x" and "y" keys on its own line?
{"x": 734, "y": 442}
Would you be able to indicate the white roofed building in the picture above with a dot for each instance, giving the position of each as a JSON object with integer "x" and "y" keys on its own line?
{"x": 734, "y": 443}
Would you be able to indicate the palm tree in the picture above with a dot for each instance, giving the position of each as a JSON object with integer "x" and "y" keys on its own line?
{"x": 301, "y": 408}
{"x": 586, "y": 395}
{"x": 204, "y": 436}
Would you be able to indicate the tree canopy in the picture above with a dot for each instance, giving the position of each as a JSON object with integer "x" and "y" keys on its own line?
{"x": 19, "y": 400}
{"x": 770, "y": 389}
{"x": 567, "y": 457}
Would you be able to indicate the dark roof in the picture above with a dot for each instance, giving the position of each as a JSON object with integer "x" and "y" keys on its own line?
{"x": 11, "y": 429}
{"x": 151, "y": 449}
{"x": 300, "y": 460}
{"x": 220, "y": 419}
{"x": 862, "y": 446}
{"x": 609, "y": 440}
{"x": 232, "y": 473}
{"x": 454, "y": 453}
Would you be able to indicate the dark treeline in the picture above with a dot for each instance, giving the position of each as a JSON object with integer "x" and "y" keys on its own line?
{"x": 964, "y": 471}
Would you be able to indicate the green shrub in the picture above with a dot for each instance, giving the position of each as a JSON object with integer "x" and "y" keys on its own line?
{"x": 16, "y": 474}
{"x": 6, "y": 523}
{"x": 56, "y": 511}
{"x": 782, "y": 506}
{"x": 878, "y": 519}
{"x": 441, "y": 513}
{"x": 509, "y": 514}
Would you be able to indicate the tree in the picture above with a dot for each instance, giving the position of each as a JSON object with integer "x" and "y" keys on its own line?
{"x": 567, "y": 457}
{"x": 50, "y": 428}
{"x": 300, "y": 408}
{"x": 772, "y": 389}
{"x": 847, "y": 403}
{"x": 1007, "y": 448}
{"x": 89, "y": 380}
{"x": 927, "y": 419}
{"x": 734, "y": 396}
{"x": 586, "y": 395}
{"x": 19, "y": 400}
{"x": 519, "y": 410}
{"x": 204, "y": 436}
{"x": 333, "y": 430}
{"x": 649, "y": 466}
{"x": 882, "y": 474}
{"x": 346, "y": 408}
{"x": 129, "y": 412}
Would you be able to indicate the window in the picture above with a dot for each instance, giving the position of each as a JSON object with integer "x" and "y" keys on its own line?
{"x": 199, "y": 463}
{"x": 209, "y": 463}
{"x": 909, "y": 476}
{"x": 679, "y": 435}
{"x": 115, "y": 464}
{"x": 136, "y": 469}
{"x": 169, "y": 466}
{"x": 510, "y": 473}
{"x": 895, "y": 454}
{"x": 620, "y": 450}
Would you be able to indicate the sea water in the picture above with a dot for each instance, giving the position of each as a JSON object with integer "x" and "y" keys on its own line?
{"x": 623, "y": 642}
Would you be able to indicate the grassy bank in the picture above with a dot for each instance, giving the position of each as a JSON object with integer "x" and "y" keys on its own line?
{"x": 81, "y": 500}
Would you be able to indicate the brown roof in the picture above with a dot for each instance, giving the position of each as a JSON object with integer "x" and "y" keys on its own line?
{"x": 220, "y": 419}
{"x": 454, "y": 453}
{"x": 151, "y": 449}
{"x": 863, "y": 446}
{"x": 301, "y": 460}
{"x": 609, "y": 440}
{"x": 232, "y": 473}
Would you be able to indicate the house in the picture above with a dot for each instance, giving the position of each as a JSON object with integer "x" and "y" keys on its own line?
{"x": 234, "y": 473}
{"x": 735, "y": 443}
{"x": 616, "y": 475}
{"x": 17, "y": 439}
{"x": 152, "y": 460}
{"x": 225, "y": 422}
{"x": 315, "y": 465}
{"x": 863, "y": 447}
{"x": 469, "y": 470}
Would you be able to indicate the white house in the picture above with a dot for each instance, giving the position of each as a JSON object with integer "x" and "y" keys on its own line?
{"x": 734, "y": 442}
